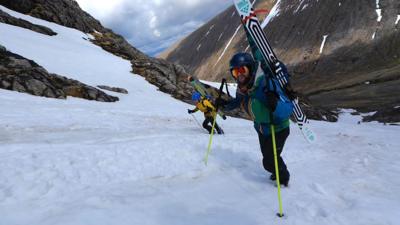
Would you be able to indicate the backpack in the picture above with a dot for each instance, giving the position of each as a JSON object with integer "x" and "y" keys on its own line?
{"x": 284, "y": 106}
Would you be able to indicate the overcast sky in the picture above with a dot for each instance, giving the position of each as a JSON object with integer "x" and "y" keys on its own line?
{"x": 153, "y": 25}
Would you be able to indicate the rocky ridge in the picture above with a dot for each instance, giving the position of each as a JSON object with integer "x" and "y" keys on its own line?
{"x": 20, "y": 74}
{"x": 6, "y": 18}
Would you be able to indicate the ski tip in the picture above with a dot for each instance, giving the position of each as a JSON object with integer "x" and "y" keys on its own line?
{"x": 311, "y": 139}
{"x": 309, "y": 135}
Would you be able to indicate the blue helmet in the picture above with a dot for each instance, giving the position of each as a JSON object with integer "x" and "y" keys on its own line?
{"x": 243, "y": 59}
{"x": 196, "y": 96}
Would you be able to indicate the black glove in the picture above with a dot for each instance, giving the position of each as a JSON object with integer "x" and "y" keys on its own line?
{"x": 190, "y": 111}
{"x": 219, "y": 102}
{"x": 224, "y": 117}
{"x": 272, "y": 100}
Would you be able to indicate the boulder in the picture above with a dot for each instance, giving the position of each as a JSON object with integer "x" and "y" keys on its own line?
{"x": 8, "y": 19}
{"x": 114, "y": 89}
{"x": 20, "y": 74}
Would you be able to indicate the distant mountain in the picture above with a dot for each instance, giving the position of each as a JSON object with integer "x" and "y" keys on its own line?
{"x": 358, "y": 66}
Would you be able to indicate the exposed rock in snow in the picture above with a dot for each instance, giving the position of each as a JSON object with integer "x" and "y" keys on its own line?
{"x": 8, "y": 19}
{"x": 114, "y": 89}
{"x": 23, "y": 75}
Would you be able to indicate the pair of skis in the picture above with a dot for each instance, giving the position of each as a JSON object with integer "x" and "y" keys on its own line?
{"x": 253, "y": 27}
{"x": 206, "y": 92}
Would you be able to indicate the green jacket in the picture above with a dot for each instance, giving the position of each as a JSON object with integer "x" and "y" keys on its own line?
{"x": 255, "y": 104}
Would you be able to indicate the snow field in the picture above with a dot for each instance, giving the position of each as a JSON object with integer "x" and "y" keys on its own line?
{"x": 139, "y": 160}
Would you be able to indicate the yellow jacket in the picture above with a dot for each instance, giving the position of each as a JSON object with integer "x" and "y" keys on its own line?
{"x": 206, "y": 107}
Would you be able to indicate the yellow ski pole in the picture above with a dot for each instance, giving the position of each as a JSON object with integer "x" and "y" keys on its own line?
{"x": 213, "y": 125}
{"x": 210, "y": 140}
{"x": 280, "y": 214}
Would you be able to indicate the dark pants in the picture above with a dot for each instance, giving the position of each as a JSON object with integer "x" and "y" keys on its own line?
{"x": 268, "y": 153}
{"x": 210, "y": 119}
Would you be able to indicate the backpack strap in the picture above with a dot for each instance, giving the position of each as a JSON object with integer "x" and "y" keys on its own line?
{"x": 202, "y": 102}
{"x": 227, "y": 90}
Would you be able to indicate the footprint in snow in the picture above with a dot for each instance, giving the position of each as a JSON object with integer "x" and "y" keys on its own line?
{"x": 318, "y": 188}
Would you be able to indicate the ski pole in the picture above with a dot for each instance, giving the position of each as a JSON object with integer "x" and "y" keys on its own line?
{"x": 278, "y": 183}
{"x": 210, "y": 140}
{"x": 213, "y": 125}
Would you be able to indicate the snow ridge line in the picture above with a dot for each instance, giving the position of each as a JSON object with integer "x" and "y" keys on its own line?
{"x": 322, "y": 44}
{"x": 227, "y": 45}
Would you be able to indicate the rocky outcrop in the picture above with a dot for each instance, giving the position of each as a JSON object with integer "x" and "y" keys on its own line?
{"x": 117, "y": 45}
{"x": 20, "y": 74}
{"x": 8, "y": 19}
{"x": 68, "y": 13}
{"x": 168, "y": 77}
{"x": 113, "y": 89}
{"x": 64, "y": 12}
{"x": 390, "y": 115}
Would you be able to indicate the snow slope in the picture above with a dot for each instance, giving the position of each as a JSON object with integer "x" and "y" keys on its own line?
{"x": 139, "y": 161}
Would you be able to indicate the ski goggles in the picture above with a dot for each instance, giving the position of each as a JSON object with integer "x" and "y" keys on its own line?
{"x": 239, "y": 70}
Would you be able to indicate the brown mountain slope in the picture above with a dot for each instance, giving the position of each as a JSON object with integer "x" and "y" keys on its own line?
{"x": 358, "y": 66}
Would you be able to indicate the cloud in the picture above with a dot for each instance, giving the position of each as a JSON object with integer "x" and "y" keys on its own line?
{"x": 100, "y": 8}
{"x": 153, "y": 25}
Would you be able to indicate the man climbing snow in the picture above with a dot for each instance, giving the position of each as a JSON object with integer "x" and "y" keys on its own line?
{"x": 267, "y": 104}
{"x": 205, "y": 106}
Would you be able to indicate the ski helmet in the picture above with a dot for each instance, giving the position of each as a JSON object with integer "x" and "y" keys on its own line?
{"x": 245, "y": 82}
{"x": 243, "y": 59}
{"x": 196, "y": 96}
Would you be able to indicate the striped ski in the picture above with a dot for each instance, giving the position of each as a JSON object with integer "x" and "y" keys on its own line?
{"x": 252, "y": 25}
